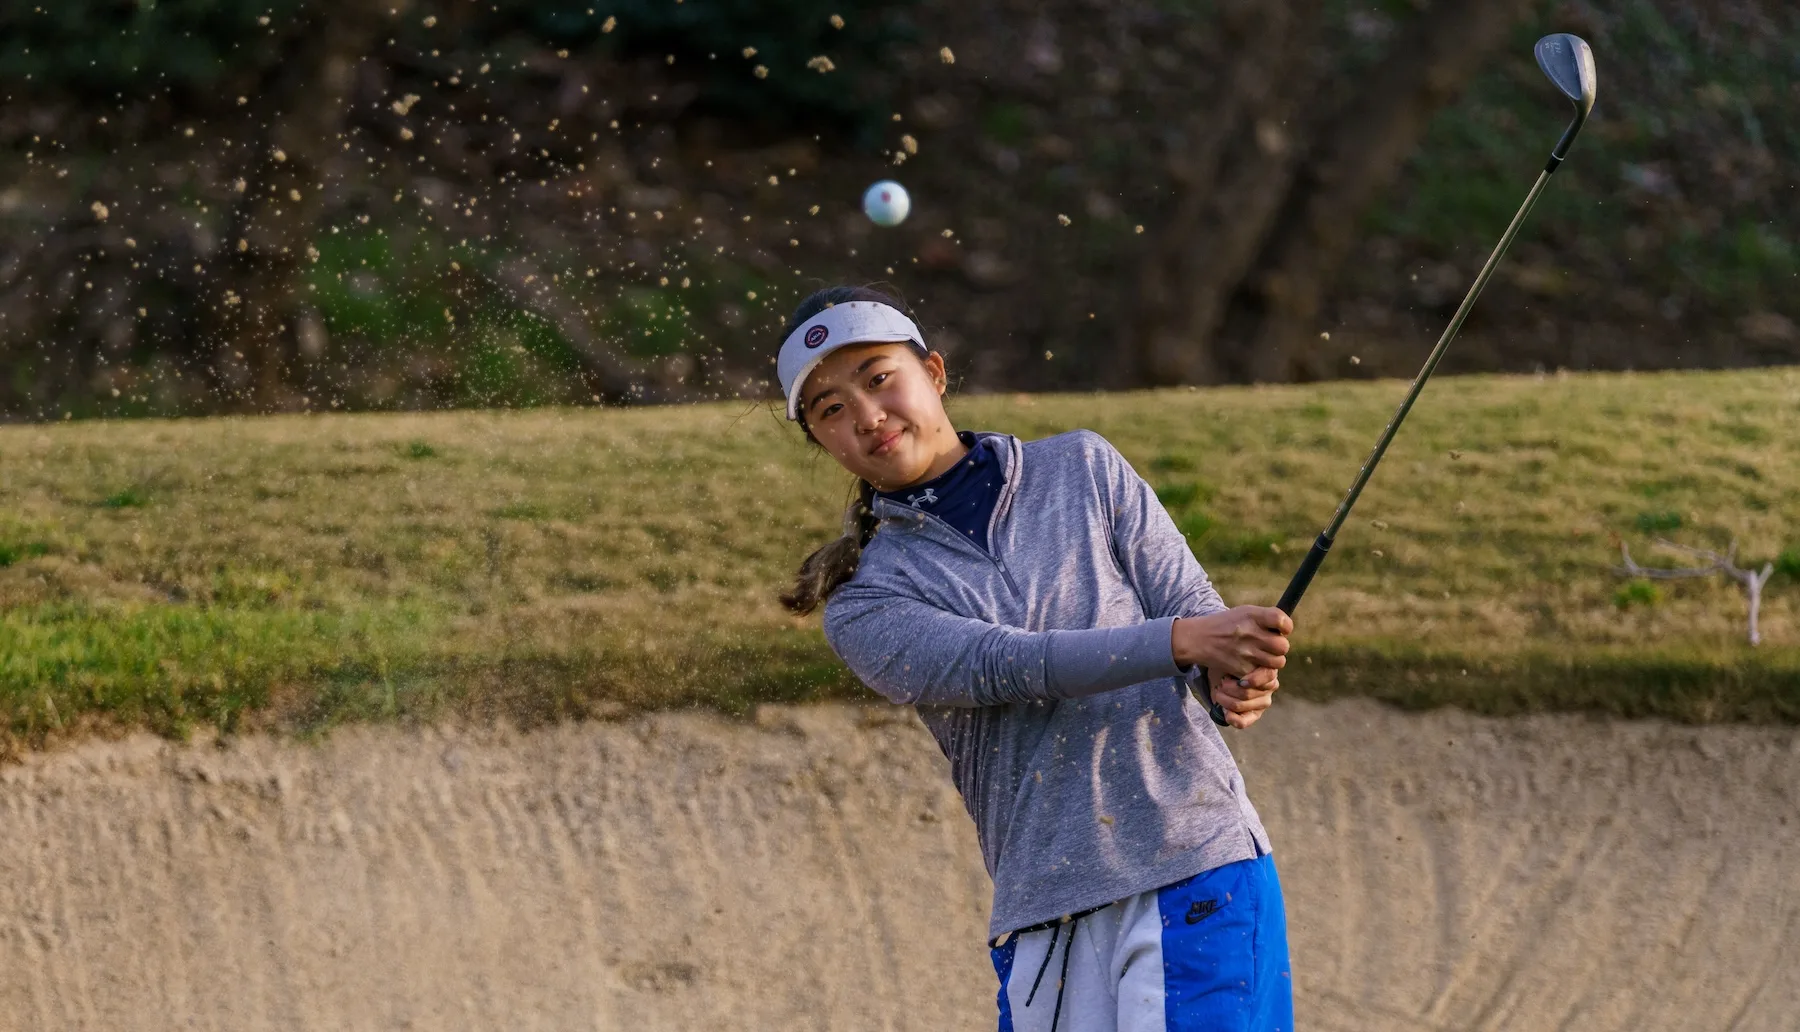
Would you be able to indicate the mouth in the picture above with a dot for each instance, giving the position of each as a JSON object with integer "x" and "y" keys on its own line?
{"x": 886, "y": 442}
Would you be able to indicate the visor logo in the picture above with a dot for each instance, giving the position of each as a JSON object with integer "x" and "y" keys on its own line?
{"x": 816, "y": 336}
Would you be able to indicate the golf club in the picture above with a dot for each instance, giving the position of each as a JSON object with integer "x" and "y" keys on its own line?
{"x": 1569, "y": 63}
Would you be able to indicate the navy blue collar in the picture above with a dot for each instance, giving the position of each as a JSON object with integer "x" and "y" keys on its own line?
{"x": 965, "y": 495}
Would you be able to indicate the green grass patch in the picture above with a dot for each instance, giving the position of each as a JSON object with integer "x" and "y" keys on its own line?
{"x": 1196, "y": 527}
{"x": 1693, "y": 687}
{"x": 171, "y": 667}
{"x": 303, "y": 571}
{"x": 1181, "y": 495}
{"x": 1654, "y": 522}
{"x": 1787, "y": 564}
{"x": 128, "y": 498}
{"x": 11, "y": 552}
{"x": 1637, "y": 593}
{"x": 1225, "y": 547}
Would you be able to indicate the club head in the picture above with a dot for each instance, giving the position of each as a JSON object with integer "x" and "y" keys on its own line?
{"x": 1569, "y": 62}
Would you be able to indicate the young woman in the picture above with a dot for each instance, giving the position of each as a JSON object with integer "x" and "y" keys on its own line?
{"x": 1036, "y": 604}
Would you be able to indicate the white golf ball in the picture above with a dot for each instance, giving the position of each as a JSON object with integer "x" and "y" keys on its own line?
{"x": 886, "y": 203}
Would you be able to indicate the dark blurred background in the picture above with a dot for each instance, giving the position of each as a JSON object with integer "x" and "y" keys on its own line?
{"x": 218, "y": 205}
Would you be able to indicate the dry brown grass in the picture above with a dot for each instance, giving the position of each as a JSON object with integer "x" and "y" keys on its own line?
{"x": 305, "y": 570}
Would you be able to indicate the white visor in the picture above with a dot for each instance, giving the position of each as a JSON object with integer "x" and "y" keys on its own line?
{"x": 847, "y": 322}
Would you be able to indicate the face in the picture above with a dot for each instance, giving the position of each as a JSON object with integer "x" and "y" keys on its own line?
{"x": 878, "y": 409}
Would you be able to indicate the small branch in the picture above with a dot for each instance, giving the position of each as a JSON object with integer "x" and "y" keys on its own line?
{"x": 1632, "y": 569}
{"x": 1726, "y": 564}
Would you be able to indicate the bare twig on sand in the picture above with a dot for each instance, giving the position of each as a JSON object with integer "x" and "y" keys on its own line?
{"x": 1752, "y": 580}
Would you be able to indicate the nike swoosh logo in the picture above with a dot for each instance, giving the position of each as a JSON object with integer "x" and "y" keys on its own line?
{"x": 1201, "y": 910}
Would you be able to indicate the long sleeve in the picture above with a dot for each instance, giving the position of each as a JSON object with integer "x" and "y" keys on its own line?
{"x": 913, "y": 652}
{"x": 1169, "y": 580}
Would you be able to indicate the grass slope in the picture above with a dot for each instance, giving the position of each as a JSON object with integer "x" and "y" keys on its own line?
{"x": 301, "y": 571}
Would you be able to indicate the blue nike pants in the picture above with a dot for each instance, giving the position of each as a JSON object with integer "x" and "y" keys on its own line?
{"x": 1206, "y": 954}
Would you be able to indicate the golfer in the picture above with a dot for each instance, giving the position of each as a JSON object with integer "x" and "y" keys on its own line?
{"x": 1037, "y": 606}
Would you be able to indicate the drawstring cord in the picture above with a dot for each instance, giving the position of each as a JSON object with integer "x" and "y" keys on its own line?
{"x": 1055, "y": 931}
{"x": 1062, "y": 981}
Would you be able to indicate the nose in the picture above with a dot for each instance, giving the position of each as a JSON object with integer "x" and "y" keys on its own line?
{"x": 869, "y": 414}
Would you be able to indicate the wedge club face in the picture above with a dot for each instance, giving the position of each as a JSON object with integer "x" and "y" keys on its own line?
{"x": 1569, "y": 63}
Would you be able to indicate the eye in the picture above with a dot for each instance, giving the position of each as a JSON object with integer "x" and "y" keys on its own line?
{"x": 875, "y": 380}
{"x": 830, "y": 410}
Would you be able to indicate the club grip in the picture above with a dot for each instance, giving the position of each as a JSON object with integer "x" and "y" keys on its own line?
{"x": 1304, "y": 575}
{"x": 1289, "y": 599}
{"x": 1204, "y": 694}
{"x": 1213, "y": 709}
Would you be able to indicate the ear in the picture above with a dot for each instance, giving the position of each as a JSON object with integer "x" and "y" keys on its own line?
{"x": 934, "y": 366}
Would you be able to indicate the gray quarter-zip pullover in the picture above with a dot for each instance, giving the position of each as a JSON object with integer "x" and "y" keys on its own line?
{"x": 1043, "y": 666}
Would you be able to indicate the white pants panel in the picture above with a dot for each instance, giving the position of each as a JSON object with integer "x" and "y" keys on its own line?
{"x": 1115, "y": 972}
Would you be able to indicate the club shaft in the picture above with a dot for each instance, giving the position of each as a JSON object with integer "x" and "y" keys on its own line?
{"x": 1297, "y": 587}
{"x": 1437, "y": 353}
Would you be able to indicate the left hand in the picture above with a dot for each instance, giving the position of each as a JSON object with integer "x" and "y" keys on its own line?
{"x": 1244, "y": 699}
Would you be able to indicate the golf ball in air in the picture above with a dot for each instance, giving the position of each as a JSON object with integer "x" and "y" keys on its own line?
{"x": 886, "y": 203}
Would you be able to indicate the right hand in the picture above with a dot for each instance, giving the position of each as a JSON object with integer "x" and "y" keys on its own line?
{"x": 1243, "y": 698}
{"x": 1235, "y": 641}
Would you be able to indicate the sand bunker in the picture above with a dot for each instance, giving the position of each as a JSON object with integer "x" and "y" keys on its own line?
{"x": 813, "y": 869}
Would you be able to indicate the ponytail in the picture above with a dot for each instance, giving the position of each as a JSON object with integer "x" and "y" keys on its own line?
{"x": 824, "y": 570}
{"x": 829, "y": 567}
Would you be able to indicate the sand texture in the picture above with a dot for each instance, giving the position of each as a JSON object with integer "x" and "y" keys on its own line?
{"x": 812, "y": 869}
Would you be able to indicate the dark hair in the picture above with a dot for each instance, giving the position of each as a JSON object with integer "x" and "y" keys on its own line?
{"x": 834, "y": 563}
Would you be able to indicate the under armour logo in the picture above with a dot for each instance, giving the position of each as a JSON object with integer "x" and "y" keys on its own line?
{"x": 928, "y": 497}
